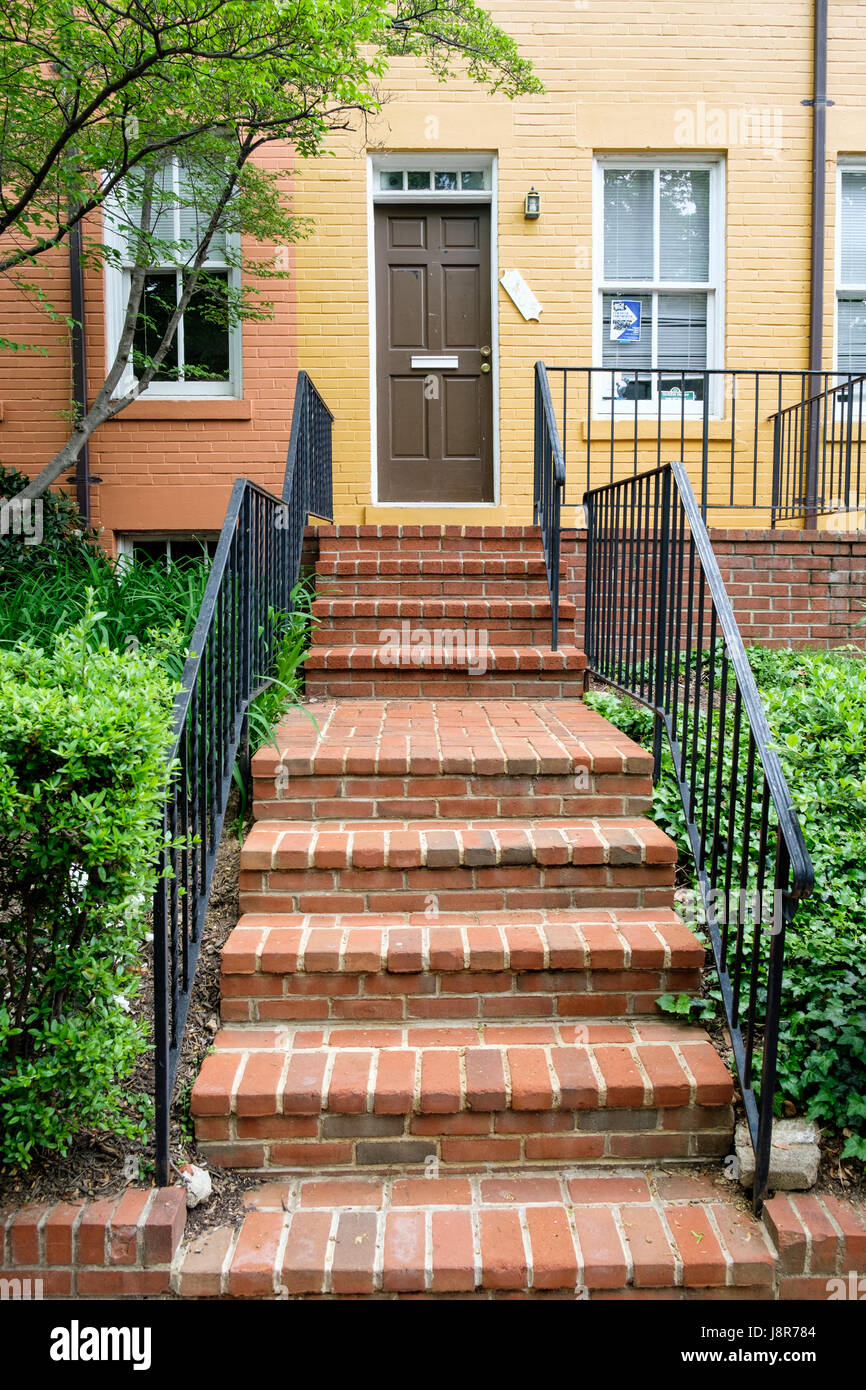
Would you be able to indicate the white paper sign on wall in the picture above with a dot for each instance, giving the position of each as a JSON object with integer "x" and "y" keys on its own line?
{"x": 516, "y": 287}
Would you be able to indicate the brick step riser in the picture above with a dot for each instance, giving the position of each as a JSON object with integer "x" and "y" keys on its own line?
{"x": 468, "y": 587}
{"x": 402, "y": 683}
{"x": 446, "y": 797}
{"x": 498, "y": 889}
{"x": 354, "y": 632}
{"x": 450, "y": 996}
{"x": 363, "y": 1141}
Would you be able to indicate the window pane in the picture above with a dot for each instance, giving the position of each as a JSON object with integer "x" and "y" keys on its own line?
{"x": 852, "y": 335}
{"x": 682, "y": 344}
{"x": 684, "y": 224}
{"x": 853, "y": 228}
{"x": 625, "y": 385}
{"x": 472, "y": 178}
{"x": 149, "y": 550}
{"x": 446, "y": 182}
{"x": 391, "y": 179}
{"x": 193, "y": 216}
{"x": 628, "y": 224}
{"x": 419, "y": 179}
{"x": 162, "y": 205}
{"x": 158, "y": 303}
{"x": 206, "y": 332}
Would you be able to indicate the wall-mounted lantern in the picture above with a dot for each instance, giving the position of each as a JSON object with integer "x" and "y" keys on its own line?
{"x": 532, "y": 205}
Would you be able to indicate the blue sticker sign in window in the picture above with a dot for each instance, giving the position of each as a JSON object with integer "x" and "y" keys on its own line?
{"x": 625, "y": 321}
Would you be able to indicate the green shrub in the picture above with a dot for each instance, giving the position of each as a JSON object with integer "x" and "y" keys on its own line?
{"x": 140, "y": 602}
{"x": 83, "y": 734}
{"x": 816, "y": 707}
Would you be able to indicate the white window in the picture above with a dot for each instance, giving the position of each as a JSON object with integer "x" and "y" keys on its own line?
{"x": 171, "y": 545}
{"x": 851, "y": 270}
{"x": 410, "y": 178}
{"x": 658, "y": 266}
{"x": 204, "y": 359}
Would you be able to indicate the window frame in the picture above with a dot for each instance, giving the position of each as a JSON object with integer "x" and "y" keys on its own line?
{"x": 851, "y": 164}
{"x": 713, "y": 286}
{"x": 117, "y": 281}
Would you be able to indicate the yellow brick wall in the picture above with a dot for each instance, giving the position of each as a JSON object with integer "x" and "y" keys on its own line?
{"x": 618, "y": 78}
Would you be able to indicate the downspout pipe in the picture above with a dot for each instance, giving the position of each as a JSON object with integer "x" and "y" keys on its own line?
{"x": 819, "y": 106}
{"x": 79, "y": 367}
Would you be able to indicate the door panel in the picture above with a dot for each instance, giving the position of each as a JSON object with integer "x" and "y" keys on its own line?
{"x": 435, "y": 424}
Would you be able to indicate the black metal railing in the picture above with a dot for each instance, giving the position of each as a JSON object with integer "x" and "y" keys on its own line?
{"x": 661, "y": 629}
{"x": 614, "y": 423}
{"x": 245, "y": 604}
{"x": 548, "y": 489}
{"x": 817, "y": 454}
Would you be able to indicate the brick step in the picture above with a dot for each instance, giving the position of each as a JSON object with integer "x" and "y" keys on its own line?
{"x": 465, "y": 965}
{"x": 443, "y": 609}
{"x": 496, "y": 622}
{"x": 473, "y": 658}
{"x": 404, "y": 866}
{"x": 370, "y": 564}
{"x": 487, "y": 1093}
{"x": 411, "y": 683}
{"x": 584, "y": 793}
{"x": 469, "y": 539}
{"x": 396, "y": 759}
{"x": 445, "y": 670}
{"x": 536, "y": 1233}
{"x": 430, "y": 586}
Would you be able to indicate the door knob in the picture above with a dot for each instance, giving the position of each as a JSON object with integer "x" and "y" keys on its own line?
{"x": 485, "y": 366}
{"x": 485, "y": 352}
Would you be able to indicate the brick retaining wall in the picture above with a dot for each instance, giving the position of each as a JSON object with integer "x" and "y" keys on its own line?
{"x": 788, "y": 588}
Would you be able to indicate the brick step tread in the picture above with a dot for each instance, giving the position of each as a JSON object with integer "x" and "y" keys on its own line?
{"x": 424, "y": 564}
{"x": 438, "y": 844}
{"x": 537, "y": 1232}
{"x": 495, "y": 738}
{"x": 409, "y": 944}
{"x": 411, "y": 1069}
{"x": 391, "y": 660}
{"x": 430, "y": 608}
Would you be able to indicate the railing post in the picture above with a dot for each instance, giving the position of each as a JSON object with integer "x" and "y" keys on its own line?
{"x": 161, "y": 1021}
{"x": 777, "y": 469}
{"x": 705, "y": 448}
{"x": 589, "y": 600}
{"x": 664, "y": 541}
{"x": 781, "y": 917}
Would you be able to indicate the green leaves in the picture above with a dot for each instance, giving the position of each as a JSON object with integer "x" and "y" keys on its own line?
{"x": 816, "y": 707}
{"x": 82, "y": 785}
{"x": 84, "y": 101}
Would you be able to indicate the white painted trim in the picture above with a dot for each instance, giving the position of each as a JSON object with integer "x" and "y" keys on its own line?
{"x": 116, "y": 295}
{"x": 844, "y": 164}
{"x": 713, "y": 287}
{"x": 375, "y": 196}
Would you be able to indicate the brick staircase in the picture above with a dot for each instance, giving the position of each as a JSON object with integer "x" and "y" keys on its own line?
{"x": 457, "y": 920}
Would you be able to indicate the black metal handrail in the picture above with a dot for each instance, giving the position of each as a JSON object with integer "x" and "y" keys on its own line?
{"x": 817, "y": 452}
{"x": 617, "y": 421}
{"x": 247, "y": 598}
{"x": 660, "y": 628}
{"x": 548, "y": 489}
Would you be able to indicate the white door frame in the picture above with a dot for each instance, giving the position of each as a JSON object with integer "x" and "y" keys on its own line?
{"x": 418, "y": 161}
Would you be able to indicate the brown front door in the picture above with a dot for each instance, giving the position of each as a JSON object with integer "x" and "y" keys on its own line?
{"x": 435, "y": 418}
